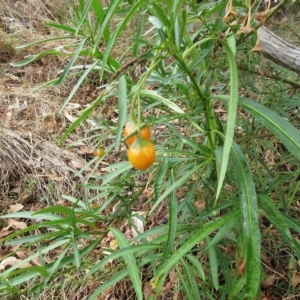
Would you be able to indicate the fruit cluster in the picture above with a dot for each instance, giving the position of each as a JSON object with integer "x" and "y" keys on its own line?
{"x": 141, "y": 152}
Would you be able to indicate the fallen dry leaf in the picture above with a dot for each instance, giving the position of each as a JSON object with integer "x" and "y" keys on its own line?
{"x": 50, "y": 123}
{"x": 71, "y": 118}
{"x": 5, "y": 232}
{"x": 21, "y": 255}
{"x": 85, "y": 149}
{"x": 265, "y": 258}
{"x": 296, "y": 279}
{"x": 15, "y": 208}
{"x": 11, "y": 261}
{"x": 15, "y": 190}
{"x": 77, "y": 164}
{"x": 16, "y": 224}
{"x": 4, "y": 253}
{"x": 139, "y": 225}
{"x": 173, "y": 276}
{"x": 269, "y": 281}
{"x": 147, "y": 290}
{"x": 200, "y": 204}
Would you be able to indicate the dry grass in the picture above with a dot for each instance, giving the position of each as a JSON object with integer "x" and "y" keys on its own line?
{"x": 33, "y": 168}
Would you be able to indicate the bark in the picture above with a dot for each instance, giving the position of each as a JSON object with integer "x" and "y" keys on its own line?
{"x": 278, "y": 50}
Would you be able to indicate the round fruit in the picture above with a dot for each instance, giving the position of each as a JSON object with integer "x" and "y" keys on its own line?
{"x": 99, "y": 152}
{"x": 141, "y": 154}
{"x": 131, "y": 126}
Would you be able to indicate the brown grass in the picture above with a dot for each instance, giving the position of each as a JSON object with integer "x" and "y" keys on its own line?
{"x": 33, "y": 168}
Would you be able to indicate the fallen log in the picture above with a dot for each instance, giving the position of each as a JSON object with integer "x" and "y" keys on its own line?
{"x": 278, "y": 50}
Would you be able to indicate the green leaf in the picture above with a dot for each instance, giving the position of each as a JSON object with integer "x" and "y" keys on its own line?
{"x": 251, "y": 231}
{"x": 174, "y": 186}
{"x": 279, "y": 221}
{"x": 232, "y": 107}
{"x": 140, "y": 249}
{"x": 32, "y": 58}
{"x": 78, "y": 83}
{"x": 55, "y": 266}
{"x": 61, "y": 27}
{"x": 154, "y": 95}
{"x": 160, "y": 177}
{"x": 100, "y": 14}
{"x": 231, "y": 42}
{"x": 44, "y": 250}
{"x": 231, "y": 116}
{"x": 284, "y": 130}
{"x": 130, "y": 262}
{"x": 31, "y": 215}
{"x": 194, "y": 239}
{"x": 172, "y": 222}
{"x": 213, "y": 264}
{"x": 45, "y": 41}
{"x": 122, "y": 109}
{"x": 187, "y": 278}
{"x": 104, "y": 24}
{"x": 197, "y": 265}
{"x": 119, "y": 167}
{"x": 84, "y": 114}
{"x": 116, "y": 34}
{"x": 84, "y": 13}
{"x": 71, "y": 62}
{"x": 225, "y": 269}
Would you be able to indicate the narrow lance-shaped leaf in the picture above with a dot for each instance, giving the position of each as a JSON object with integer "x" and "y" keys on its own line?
{"x": 131, "y": 264}
{"x": 172, "y": 223}
{"x": 194, "y": 239}
{"x": 232, "y": 106}
{"x": 250, "y": 225}
{"x": 284, "y": 130}
{"x": 104, "y": 25}
{"x": 160, "y": 177}
{"x": 122, "y": 108}
{"x": 32, "y": 58}
{"x": 115, "y": 36}
{"x": 85, "y": 113}
{"x": 78, "y": 83}
{"x": 71, "y": 62}
{"x": 84, "y": 13}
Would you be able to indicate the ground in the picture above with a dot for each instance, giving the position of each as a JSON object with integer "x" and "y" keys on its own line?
{"x": 35, "y": 171}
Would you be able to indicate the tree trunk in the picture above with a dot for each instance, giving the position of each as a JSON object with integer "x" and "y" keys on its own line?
{"x": 278, "y": 50}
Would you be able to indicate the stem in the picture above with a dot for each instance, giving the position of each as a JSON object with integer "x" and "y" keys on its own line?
{"x": 137, "y": 95}
{"x": 209, "y": 111}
